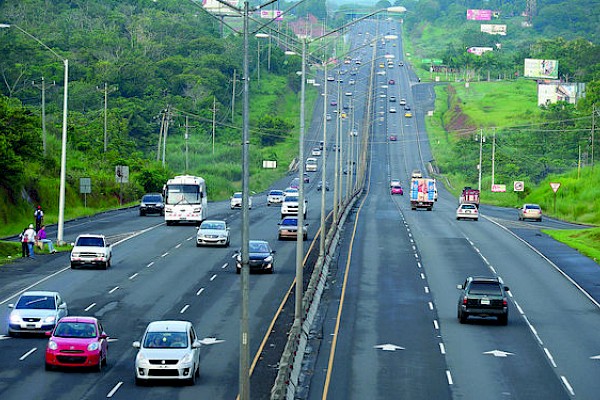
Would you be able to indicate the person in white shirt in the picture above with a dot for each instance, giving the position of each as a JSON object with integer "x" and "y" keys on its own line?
{"x": 30, "y": 233}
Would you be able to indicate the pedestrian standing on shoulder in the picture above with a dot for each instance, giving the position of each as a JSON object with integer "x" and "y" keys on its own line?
{"x": 30, "y": 233}
{"x": 42, "y": 238}
{"x": 24, "y": 247}
{"x": 39, "y": 218}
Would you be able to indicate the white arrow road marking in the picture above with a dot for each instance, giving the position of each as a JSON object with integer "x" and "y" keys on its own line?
{"x": 591, "y": 358}
{"x": 2, "y": 337}
{"x": 499, "y": 353}
{"x": 211, "y": 340}
{"x": 388, "y": 347}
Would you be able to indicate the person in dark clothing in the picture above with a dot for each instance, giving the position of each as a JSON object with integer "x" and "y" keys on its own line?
{"x": 39, "y": 218}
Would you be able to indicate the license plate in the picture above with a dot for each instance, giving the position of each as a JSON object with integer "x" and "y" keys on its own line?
{"x": 485, "y": 302}
{"x": 30, "y": 326}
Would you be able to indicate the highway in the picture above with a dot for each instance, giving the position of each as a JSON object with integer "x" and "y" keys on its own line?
{"x": 388, "y": 326}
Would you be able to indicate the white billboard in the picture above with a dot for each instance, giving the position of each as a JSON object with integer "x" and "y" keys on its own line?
{"x": 544, "y": 69}
{"x": 214, "y": 7}
{"x": 493, "y": 29}
{"x": 479, "y": 50}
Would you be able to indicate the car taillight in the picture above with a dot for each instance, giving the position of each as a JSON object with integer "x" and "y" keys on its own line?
{"x": 504, "y": 302}
{"x": 464, "y": 301}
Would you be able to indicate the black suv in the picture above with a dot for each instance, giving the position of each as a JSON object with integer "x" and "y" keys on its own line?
{"x": 152, "y": 203}
{"x": 483, "y": 297}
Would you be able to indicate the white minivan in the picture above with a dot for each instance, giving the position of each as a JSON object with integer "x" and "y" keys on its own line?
{"x": 311, "y": 164}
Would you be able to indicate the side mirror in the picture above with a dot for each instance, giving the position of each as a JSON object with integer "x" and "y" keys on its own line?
{"x": 11, "y": 305}
{"x": 506, "y": 289}
{"x": 136, "y": 344}
{"x": 103, "y": 336}
{"x": 197, "y": 344}
{"x": 273, "y": 252}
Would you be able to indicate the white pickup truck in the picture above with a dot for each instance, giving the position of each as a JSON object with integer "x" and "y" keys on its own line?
{"x": 289, "y": 206}
{"x": 91, "y": 250}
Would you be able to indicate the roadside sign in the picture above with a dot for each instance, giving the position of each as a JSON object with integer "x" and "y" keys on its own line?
{"x": 518, "y": 186}
{"x": 85, "y": 185}
{"x": 498, "y": 188}
{"x": 122, "y": 174}
{"x": 554, "y": 186}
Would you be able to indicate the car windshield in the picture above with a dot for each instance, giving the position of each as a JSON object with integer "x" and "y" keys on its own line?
{"x": 83, "y": 330}
{"x": 166, "y": 340}
{"x": 289, "y": 222}
{"x": 467, "y": 206}
{"x": 489, "y": 288}
{"x": 152, "y": 199}
{"x": 90, "y": 241}
{"x": 213, "y": 225}
{"x": 532, "y": 207}
{"x": 36, "y": 303}
{"x": 276, "y": 193}
{"x": 291, "y": 198}
{"x": 257, "y": 247}
{"x": 237, "y": 195}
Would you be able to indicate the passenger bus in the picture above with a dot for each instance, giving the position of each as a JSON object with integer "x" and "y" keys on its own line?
{"x": 185, "y": 199}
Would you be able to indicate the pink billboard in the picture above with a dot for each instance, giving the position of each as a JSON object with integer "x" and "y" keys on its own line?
{"x": 479, "y": 15}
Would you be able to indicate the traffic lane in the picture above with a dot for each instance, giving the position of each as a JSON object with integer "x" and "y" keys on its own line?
{"x": 448, "y": 258}
{"x": 154, "y": 302}
{"x": 555, "y": 307}
{"x": 386, "y": 304}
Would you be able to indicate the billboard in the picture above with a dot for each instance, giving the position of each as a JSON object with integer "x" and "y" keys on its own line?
{"x": 479, "y": 50}
{"x": 214, "y": 7}
{"x": 479, "y": 15}
{"x": 493, "y": 29}
{"x": 545, "y": 69}
{"x": 271, "y": 14}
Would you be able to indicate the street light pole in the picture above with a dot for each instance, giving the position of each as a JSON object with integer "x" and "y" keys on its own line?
{"x": 63, "y": 153}
{"x": 323, "y": 167}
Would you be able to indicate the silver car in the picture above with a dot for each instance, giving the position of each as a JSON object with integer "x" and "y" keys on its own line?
{"x": 467, "y": 211}
{"x": 213, "y": 232}
{"x": 275, "y": 197}
{"x": 36, "y": 312}
{"x": 169, "y": 350}
{"x": 288, "y": 229}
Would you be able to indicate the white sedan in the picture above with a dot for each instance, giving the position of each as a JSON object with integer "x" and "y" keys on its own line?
{"x": 467, "y": 211}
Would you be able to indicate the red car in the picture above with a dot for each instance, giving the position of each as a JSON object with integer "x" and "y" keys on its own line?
{"x": 393, "y": 138}
{"x": 77, "y": 342}
{"x": 397, "y": 190}
{"x": 391, "y": 82}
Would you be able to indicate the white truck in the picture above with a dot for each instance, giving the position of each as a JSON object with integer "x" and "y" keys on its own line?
{"x": 91, "y": 250}
{"x": 423, "y": 193}
{"x": 290, "y": 206}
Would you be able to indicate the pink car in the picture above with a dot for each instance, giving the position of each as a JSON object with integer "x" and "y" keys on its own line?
{"x": 397, "y": 190}
{"x": 77, "y": 342}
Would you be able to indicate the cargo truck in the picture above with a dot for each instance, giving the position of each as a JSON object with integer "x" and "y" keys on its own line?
{"x": 469, "y": 195}
{"x": 422, "y": 193}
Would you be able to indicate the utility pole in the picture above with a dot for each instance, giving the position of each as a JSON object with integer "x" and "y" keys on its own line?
{"x": 160, "y": 134}
{"x": 106, "y": 92}
{"x": 165, "y": 133}
{"x": 493, "y": 156}
{"x": 481, "y": 140}
{"x": 42, "y": 87}
{"x": 233, "y": 98}
{"x": 593, "y": 126}
{"x": 187, "y": 137}
{"x": 214, "y": 123}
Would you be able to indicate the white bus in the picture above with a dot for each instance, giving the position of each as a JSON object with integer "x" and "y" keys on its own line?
{"x": 185, "y": 199}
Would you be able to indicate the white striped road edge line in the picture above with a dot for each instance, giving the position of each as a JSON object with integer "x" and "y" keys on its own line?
{"x": 449, "y": 377}
{"x": 199, "y": 292}
{"x": 114, "y": 390}
{"x": 24, "y": 356}
{"x": 212, "y": 278}
{"x": 184, "y": 309}
{"x": 113, "y": 290}
{"x": 90, "y": 307}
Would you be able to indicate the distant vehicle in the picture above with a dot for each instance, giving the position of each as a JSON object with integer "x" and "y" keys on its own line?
{"x": 330, "y": 79}
{"x": 316, "y": 151}
{"x": 416, "y": 173}
{"x": 333, "y": 103}
{"x": 36, "y": 312}
{"x": 91, "y": 250}
{"x": 261, "y": 257}
{"x": 530, "y": 211}
{"x": 235, "y": 201}
{"x": 401, "y": 64}
{"x": 382, "y": 95}
{"x": 469, "y": 195}
{"x": 213, "y": 232}
{"x": 306, "y": 178}
{"x": 295, "y": 183}
{"x": 408, "y": 114}
{"x": 483, "y": 297}
{"x": 328, "y": 117}
{"x": 311, "y": 164}
{"x": 392, "y": 99}
{"x": 152, "y": 203}
{"x": 402, "y": 102}
{"x": 275, "y": 197}
{"x": 185, "y": 199}
{"x": 422, "y": 193}
{"x": 348, "y": 93}
{"x": 351, "y": 82}
{"x": 77, "y": 342}
{"x": 381, "y": 65}
{"x": 169, "y": 350}
{"x": 395, "y": 182}
{"x": 391, "y": 82}
{"x": 288, "y": 229}
{"x": 393, "y": 138}
{"x": 382, "y": 73}
{"x": 392, "y": 109}
{"x": 407, "y": 107}
{"x": 321, "y": 144}
{"x": 397, "y": 189}
{"x": 320, "y": 186}
{"x": 467, "y": 211}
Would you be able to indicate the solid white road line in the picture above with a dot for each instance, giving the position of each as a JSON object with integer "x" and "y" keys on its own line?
{"x": 24, "y": 356}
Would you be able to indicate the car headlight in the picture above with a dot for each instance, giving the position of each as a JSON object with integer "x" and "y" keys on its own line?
{"x": 15, "y": 318}
{"x": 50, "y": 319}
{"x": 52, "y": 345}
{"x": 187, "y": 358}
{"x": 74, "y": 254}
{"x": 140, "y": 358}
{"x": 143, "y": 205}
{"x": 93, "y": 346}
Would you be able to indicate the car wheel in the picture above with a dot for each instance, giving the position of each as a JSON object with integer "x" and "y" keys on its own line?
{"x": 169, "y": 223}
{"x": 462, "y": 317}
{"x": 73, "y": 266}
{"x": 140, "y": 382}
{"x": 105, "y": 360}
{"x": 503, "y": 319}
{"x": 268, "y": 204}
{"x": 48, "y": 367}
{"x": 192, "y": 380}
{"x": 142, "y": 214}
{"x": 279, "y": 237}
{"x": 476, "y": 219}
{"x": 197, "y": 244}
{"x": 304, "y": 237}
{"x": 238, "y": 270}
{"x": 98, "y": 367}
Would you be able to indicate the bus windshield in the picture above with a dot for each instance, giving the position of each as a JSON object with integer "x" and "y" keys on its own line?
{"x": 177, "y": 194}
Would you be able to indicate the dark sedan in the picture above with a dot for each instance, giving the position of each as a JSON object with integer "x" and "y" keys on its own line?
{"x": 483, "y": 297}
{"x": 260, "y": 257}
